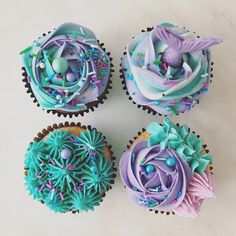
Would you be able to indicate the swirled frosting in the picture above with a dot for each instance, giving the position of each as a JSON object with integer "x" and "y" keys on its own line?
{"x": 168, "y": 68}
{"x": 67, "y": 69}
{"x": 64, "y": 177}
{"x": 150, "y": 181}
{"x": 157, "y": 175}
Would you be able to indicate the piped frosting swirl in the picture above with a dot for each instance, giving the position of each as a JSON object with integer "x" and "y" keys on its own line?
{"x": 67, "y": 69}
{"x": 167, "y": 68}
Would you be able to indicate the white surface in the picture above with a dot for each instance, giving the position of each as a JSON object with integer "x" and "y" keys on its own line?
{"x": 115, "y": 22}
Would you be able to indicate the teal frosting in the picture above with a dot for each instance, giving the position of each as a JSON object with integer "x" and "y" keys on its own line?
{"x": 73, "y": 182}
{"x": 182, "y": 140}
{"x": 85, "y": 200}
{"x": 67, "y": 69}
{"x": 99, "y": 175}
{"x": 90, "y": 142}
{"x": 58, "y": 141}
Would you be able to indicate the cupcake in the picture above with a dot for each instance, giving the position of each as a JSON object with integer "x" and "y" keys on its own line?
{"x": 67, "y": 71}
{"x": 167, "y": 69}
{"x": 167, "y": 169}
{"x": 69, "y": 167}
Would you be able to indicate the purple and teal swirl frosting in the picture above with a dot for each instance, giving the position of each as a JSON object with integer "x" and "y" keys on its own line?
{"x": 67, "y": 69}
{"x": 167, "y": 68}
{"x": 167, "y": 170}
{"x": 155, "y": 178}
{"x": 65, "y": 176}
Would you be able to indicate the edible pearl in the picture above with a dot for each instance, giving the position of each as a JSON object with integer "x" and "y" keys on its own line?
{"x": 42, "y": 65}
{"x": 58, "y": 97}
{"x": 70, "y": 77}
{"x": 149, "y": 168}
{"x": 93, "y": 169}
{"x": 170, "y": 161}
{"x": 60, "y": 65}
{"x": 66, "y": 153}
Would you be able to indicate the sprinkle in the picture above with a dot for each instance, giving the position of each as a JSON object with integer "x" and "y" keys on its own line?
{"x": 153, "y": 205}
{"x": 76, "y": 190}
{"x": 52, "y": 161}
{"x": 25, "y": 50}
{"x": 56, "y": 43}
{"x": 92, "y": 153}
{"x": 157, "y": 102}
{"x": 170, "y": 82}
{"x": 52, "y": 193}
{"x": 61, "y": 195}
{"x": 204, "y": 75}
{"x": 82, "y": 31}
{"x": 156, "y": 62}
{"x": 38, "y": 176}
{"x": 36, "y": 55}
{"x": 142, "y": 161}
{"x": 41, "y": 188}
{"x": 140, "y": 54}
{"x": 165, "y": 67}
{"x": 179, "y": 194}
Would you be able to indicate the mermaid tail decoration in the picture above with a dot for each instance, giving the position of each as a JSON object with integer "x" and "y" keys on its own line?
{"x": 178, "y": 45}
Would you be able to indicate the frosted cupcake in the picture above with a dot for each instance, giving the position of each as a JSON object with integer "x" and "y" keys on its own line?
{"x": 69, "y": 167}
{"x": 167, "y": 69}
{"x": 67, "y": 71}
{"x": 167, "y": 169}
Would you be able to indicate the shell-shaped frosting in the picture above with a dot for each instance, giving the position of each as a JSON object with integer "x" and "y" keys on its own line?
{"x": 149, "y": 178}
{"x": 67, "y": 68}
{"x": 162, "y": 78}
{"x": 200, "y": 188}
{"x": 189, "y": 207}
{"x": 201, "y": 185}
{"x": 62, "y": 177}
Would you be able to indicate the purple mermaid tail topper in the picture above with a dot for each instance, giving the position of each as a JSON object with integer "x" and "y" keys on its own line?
{"x": 178, "y": 45}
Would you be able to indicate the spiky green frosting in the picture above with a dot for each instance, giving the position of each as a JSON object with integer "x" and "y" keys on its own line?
{"x": 69, "y": 172}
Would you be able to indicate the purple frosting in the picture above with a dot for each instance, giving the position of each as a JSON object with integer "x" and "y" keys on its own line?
{"x": 154, "y": 178}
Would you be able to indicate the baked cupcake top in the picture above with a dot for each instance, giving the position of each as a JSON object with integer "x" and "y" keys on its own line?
{"x": 67, "y": 69}
{"x": 167, "y": 169}
{"x": 167, "y": 68}
{"x": 70, "y": 169}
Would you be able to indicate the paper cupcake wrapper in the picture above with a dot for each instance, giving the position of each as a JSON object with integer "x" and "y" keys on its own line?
{"x": 144, "y": 107}
{"x": 42, "y": 134}
{"x": 131, "y": 141}
{"x": 90, "y": 106}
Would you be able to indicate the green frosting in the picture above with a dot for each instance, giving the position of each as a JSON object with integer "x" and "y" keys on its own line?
{"x": 61, "y": 174}
{"x": 182, "y": 140}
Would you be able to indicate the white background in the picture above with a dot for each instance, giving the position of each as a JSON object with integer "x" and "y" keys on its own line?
{"x": 114, "y": 23}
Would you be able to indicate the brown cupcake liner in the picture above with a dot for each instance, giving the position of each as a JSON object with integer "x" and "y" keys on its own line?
{"x": 145, "y": 107}
{"x": 42, "y": 134}
{"x": 90, "y": 106}
{"x": 132, "y": 141}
